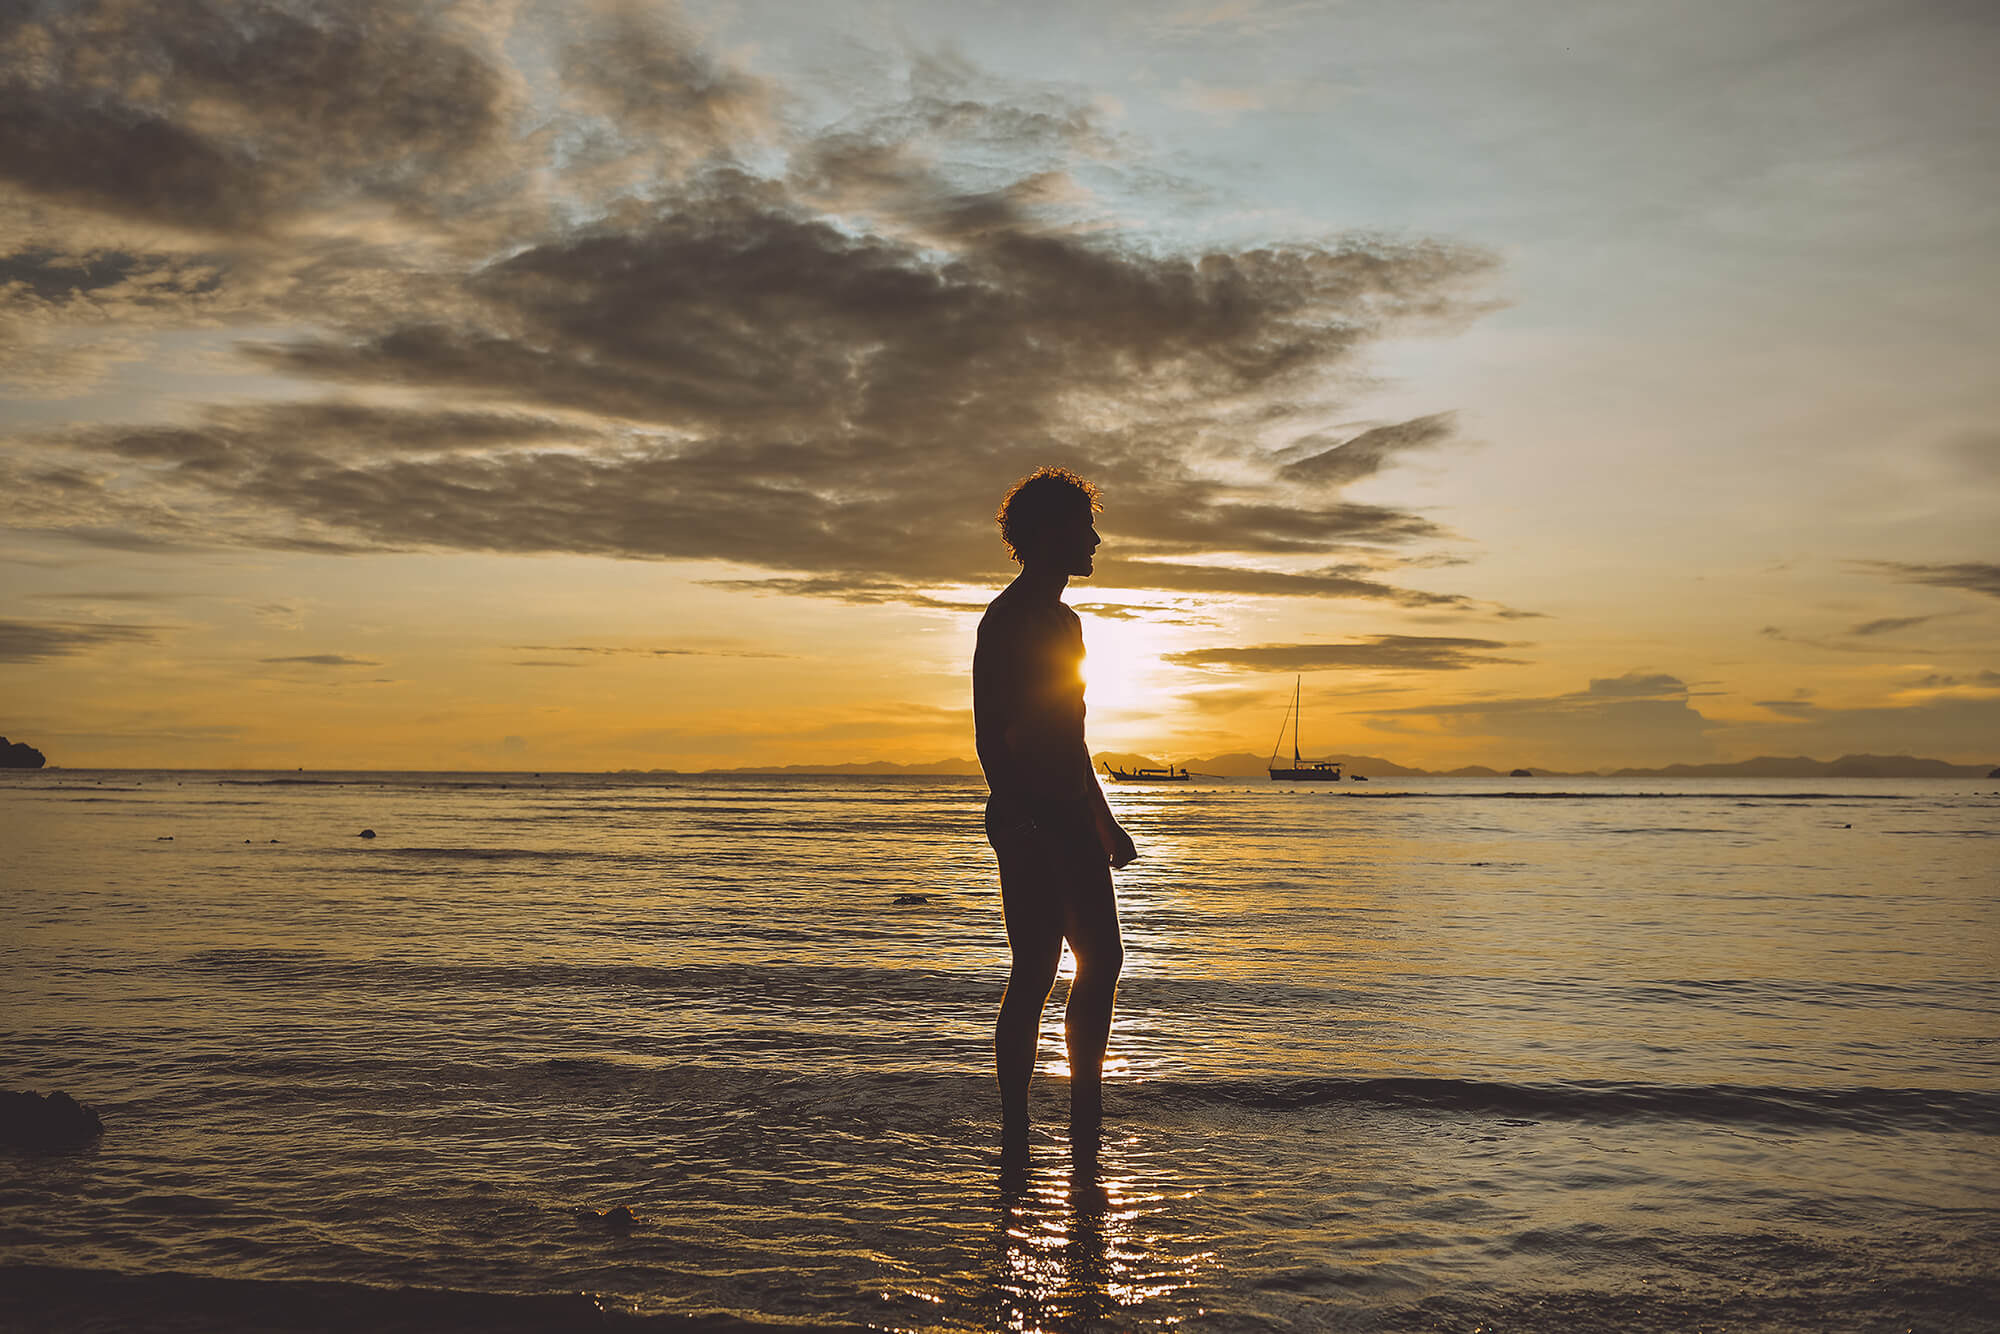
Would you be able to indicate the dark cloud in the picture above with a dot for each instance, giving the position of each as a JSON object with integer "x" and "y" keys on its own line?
{"x": 859, "y": 590}
{"x": 1865, "y": 630}
{"x": 1963, "y": 728}
{"x": 1402, "y": 653}
{"x": 828, "y": 368}
{"x": 224, "y": 115}
{"x": 604, "y": 650}
{"x": 1888, "y": 625}
{"x": 1789, "y": 708}
{"x": 1615, "y": 720}
{"x": 1334, "y": 582}
{"x": 1124, "y": 611}
{"x": 1638, "y": 685}
{"x": 1971, "y": 576}
{"x": 1590, "y": 701}
{"x": 111, "y": 595}
{"x": 324, "y": 660}
{"x": 37, "y": 641}
{"x": 1367, "y": 453}
{"x": 1942, "y": 680}
{"x": 641, "y": 73}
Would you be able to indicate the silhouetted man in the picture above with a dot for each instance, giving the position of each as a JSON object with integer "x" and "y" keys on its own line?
{"x": 1045, "y": 813}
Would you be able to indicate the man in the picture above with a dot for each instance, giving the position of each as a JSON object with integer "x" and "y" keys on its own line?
{"x": 1045, "y": 813}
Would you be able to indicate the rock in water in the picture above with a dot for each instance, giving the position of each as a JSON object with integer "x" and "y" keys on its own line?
{"x": 20, "y": 755}
{"x": 1520, "y": 773}
{"x": 906, "y": 900}
{"x": 58, "y": 1121}
{"x": 367, "y": 833}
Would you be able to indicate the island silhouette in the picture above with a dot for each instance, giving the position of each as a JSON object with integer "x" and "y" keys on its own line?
{"x": 20, "y": 755}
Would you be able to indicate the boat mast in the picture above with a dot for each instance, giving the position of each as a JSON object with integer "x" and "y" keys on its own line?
{"x": 1272, "y": 763}
{"x": 1295, "y": 720}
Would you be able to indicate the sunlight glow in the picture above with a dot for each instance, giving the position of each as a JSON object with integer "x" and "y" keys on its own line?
{"x": 1123, "y": 670}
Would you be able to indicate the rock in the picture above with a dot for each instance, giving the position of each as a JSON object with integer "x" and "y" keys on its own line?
{"x": 908, "y": 900}
{"x": 367, "y": 833}
{"x": 58, "y": 1121}
{"x": 1994, "y": 774}
{"x": 619, "y": 1217}
{"x": 20, "y": 755}
{"x": 1520, "y": 773}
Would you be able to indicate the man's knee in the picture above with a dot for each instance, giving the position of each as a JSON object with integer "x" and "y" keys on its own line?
{"x": 1030, "y": 979}
{"x": 1102, "y": 961}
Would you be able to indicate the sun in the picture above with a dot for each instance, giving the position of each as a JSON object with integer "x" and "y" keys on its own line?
{"x": 1122, "y": 669}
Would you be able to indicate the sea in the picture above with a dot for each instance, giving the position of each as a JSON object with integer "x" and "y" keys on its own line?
{"x": 660, "y": 1052}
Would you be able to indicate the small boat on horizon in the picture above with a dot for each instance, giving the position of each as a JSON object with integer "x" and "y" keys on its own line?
{"x": 1301, "y": 771}
{"x": 1143, "y": 775}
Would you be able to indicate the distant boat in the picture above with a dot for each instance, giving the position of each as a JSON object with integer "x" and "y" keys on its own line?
{"x": 1166, "y": 775}
{"x": 1302, "y": 771}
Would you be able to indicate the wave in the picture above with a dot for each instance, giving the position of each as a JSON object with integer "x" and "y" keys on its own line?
{"x": 1743, "y": 797}
{"x": 862, "y": 983}
{"x": 1873, "y": 1110}
{"x": 52, "y": 1297}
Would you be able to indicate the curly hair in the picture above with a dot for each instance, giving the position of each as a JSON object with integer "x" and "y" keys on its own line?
{"x": 1044, "y": 496}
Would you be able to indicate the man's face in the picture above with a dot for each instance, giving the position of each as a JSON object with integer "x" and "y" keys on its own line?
{"x": 1073, "y": 542}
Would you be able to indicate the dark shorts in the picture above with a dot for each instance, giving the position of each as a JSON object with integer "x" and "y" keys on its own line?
{"x": 1052, "y": 868}
{"x": 1048, "y": 841}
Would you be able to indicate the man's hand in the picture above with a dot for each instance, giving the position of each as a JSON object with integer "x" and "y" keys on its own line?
{"x": 1120, "y": 847}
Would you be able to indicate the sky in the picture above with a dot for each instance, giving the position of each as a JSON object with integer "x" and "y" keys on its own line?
{"x": 503, "y": 385}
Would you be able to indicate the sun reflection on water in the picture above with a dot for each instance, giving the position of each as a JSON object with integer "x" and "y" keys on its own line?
{"x": 1076, "y": 1246}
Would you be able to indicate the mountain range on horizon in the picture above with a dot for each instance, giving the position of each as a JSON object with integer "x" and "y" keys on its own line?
{"x": 1242, "y": 764}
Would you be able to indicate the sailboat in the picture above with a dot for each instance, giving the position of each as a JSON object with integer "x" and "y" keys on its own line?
{"x": 1302, "y": 771}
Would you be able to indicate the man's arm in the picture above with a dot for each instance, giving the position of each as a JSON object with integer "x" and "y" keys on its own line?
{"x": 996, "y": 695}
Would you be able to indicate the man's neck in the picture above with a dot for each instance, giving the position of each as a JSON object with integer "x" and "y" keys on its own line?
{"x": 1044, "y": 583}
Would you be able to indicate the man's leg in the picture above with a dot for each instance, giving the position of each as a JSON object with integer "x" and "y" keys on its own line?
{"x": 1091, "y": 923}
{"x": 1034, "y": 935}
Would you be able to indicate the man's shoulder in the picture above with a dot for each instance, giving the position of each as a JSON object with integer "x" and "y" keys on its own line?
{"x": 1006, "y": 606}
{"x": 1012, "y": 612}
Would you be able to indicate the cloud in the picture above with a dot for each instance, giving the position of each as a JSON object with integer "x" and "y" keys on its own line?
{"x": 609, "y": 334}
{"x": 1367, "y": 453}
{"x": 228, "y": 117}
{"x": 1639, "y": 717}
{"x": 1638, "y": 685}
{"x": 1888, "y": 624}
{"x": 324, "y": 660}
{"x": 1943, "y": 681}
{"x": 37, "y": 641}
{"x": 615, "y": 650}
{"x": 1400, "y": 653}
{"x": 1963, "y": 728}
{"x": 111, "y": 595}
{"x": 1865, "y": 630}
{"x": 1789, "y": 708}
{"x": 642, "y": 74}
{"x": 860, "y": 591}
{"x": 1603, "y": 694}
{"x": 1971, "y": 576}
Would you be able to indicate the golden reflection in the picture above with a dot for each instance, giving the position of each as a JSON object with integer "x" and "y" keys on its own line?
{"x": 1078, "y": 1244}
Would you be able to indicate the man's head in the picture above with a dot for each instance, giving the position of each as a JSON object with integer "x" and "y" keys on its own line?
{"x": 1046, "y": 519}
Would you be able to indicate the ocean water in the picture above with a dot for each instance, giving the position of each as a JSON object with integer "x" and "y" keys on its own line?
{"x": 660, "y": 1052}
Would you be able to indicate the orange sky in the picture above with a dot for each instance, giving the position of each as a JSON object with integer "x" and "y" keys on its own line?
{"x": 497, "y": 385}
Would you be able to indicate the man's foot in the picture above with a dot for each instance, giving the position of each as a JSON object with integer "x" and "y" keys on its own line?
{"x": 1014, "y": 1131}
